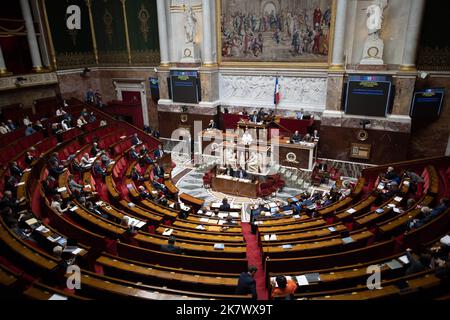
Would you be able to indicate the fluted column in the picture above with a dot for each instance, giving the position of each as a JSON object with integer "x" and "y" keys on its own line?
{"x": 337, "y": 59}
{"x": 162, "y": 29}
{"x": 412, "y": 35}
{"x": 31, "y": 36}
{"x": 207, "y": 36}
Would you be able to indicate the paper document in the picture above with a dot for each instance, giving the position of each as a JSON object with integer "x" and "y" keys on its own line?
{"x": 302, "y": 281}
{"x": 167, "y": 232}
{"x": 351, "y": 210}
{"x": 404, "y": 259}
{"x": 398, "y": 199}
{"x": 219, "y": 246}
{"x": 62, "y": 189}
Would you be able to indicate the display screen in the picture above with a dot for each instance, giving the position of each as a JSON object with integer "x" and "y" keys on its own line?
{"x": 368, "y": 95}
{"x": 184, "y": 86}
{"x": 154, "y": 88}
{"x": 427, "y": 103}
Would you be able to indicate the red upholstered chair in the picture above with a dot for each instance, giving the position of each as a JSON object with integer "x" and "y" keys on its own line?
{"x": 265, "y": 189}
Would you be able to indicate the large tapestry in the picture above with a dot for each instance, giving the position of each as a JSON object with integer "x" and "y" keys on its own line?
{"x": 275, "y": 30}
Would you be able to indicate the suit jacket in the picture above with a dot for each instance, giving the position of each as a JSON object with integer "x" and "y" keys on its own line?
{"x": 229, "y": 172}
{"x": 246, "y": 285}
{"x": 158, "y": 171}
{"x": 225, "y": 207}
{"x": 158, "y": 153}
{"x": 171, "y": 248}
{"x": 15, "y": 170}
{"x": 135, "y": 140}
{"x": 254, "y": 118}
{"x": 241, "y": 173}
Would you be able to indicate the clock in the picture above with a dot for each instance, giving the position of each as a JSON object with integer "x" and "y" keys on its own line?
{"x": 373, "y": 52}
{"x": 362, "y": 135}
{"x": 187, "y": 52}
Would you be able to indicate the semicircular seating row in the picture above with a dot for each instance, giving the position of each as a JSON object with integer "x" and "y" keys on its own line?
{"x": 118, "y": 263}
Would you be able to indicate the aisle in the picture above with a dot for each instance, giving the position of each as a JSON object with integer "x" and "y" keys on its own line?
{"x": 254, "y": 258}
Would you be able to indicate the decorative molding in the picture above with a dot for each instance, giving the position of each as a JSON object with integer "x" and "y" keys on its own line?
{"x": 74, "y": 60}
{"x": 37, "y": 79}
{"x": 258, "y": 91}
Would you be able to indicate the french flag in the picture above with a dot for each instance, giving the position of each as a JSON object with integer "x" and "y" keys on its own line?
{"x": 276, "y": 95}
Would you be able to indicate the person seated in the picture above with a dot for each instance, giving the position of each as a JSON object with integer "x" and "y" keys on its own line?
{"x": 29, "y": 157}
{"x": 65, "y": 125}
{"x": 103, "y": 123}
{"x": 60, "y": 112}
{"x": 91, "y": 207}
{"x": 315, "y": 136}
{"x": 146, "y": 159}
{"x": 55, "y": 129}
{"x": 254, "y": 117}
{"x": 171, "y": 247}
{"x": 156, "y": 133}
{"x": 29, "y": 130}
{"x": 55, "y": 169}
{"x": 74, "y": 187}
{"x": 229, "y": 221}
{"x": 125, "y": 222}
{"x": 27, "y": 121}
{"x": 158, "y": 171}
{"x": 85, "y": 162}
{"x": 299, "y": 114}
{"x": 134, "y": 154}
{"x": 414, "y": 180}
{"x": 95, "y": 150}
{"x": 159, "y": 152}
{"x": 4, "y": 129}
{"x": 160, "y": 186}
{"x": 50, "y": 187}
{"x": 444, "y": 203}
{"x": 416, "y": 265}
{"x": 135, "y": 175}
{"x": 241, "y": 173}
{"x": 307, "y": 138}
{"x": 296, "y": 137}
{"x": 38, "y": 126}
{"x": 84, "y": 113}
{"x": 92, "y": 118}
{"x": 229, "y": 171}
{"x": 9, "y": 201}
{"x": 421, "y": 220}
{"x": 212, "y": 124}
{"x": 391, "y": 175}
{"x": 81, "y": 122}
{"x": 162, "y": 200}
{"x": 135, "y": 140}
{"x": 144, "y": 194}
{"x": 15, "y": 170}
{"x": 261, "y": 114}
{"x": 105, "y": 159}
{"x": 98, "y": 170}
{"x": 225, "y": 206}
{"x": 57, "y": 204}
{"x": 283, "y": 287}
{"x": 11, "y": 125}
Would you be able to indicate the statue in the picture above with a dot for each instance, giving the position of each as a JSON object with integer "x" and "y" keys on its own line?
{"x": 374, "y": 45}
{"x": 375, "y": 17}
{"x": 189, "y": 24}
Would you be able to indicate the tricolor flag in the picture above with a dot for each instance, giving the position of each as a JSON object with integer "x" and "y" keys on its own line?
{"x": 276, "y": 95}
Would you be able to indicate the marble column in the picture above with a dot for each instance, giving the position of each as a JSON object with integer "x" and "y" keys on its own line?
{"x": 337, "y": 59}
{"x": 162, "y": 29}
{"x": 207, "y": 35}
{"x": 31, "y": 35}
{"x": 412, "y": 35}
{"x": 3, "y": 71}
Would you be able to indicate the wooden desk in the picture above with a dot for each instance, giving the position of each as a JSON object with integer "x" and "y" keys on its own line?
{"x": 299, "y": 156}
{"x": 235, "y": 187}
